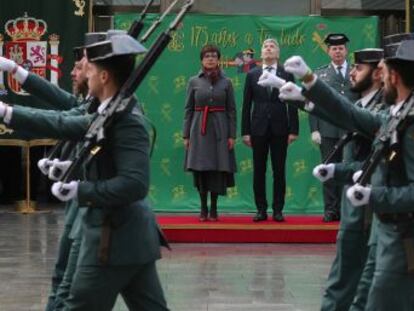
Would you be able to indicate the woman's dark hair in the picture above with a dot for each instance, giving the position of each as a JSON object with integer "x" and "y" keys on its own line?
{"x": 120, "y": 67}
{"x": 208, "y": 48}
{"x": 404, "y": 68}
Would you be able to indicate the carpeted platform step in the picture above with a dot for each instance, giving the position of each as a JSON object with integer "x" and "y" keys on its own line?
{"x": 241, "y": 229}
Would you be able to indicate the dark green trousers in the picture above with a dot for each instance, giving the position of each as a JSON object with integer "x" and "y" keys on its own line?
{"x": 96, "y": 288}
{"x": 63, "y": 290}
{"x": 365, "y": 282}
{"x": 65, "y": 244}
{"x": 346, "y": 271}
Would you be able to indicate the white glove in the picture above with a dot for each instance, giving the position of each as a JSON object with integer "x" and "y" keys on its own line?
{"x": 7, "y": 64}
{"x": 316, "y": 137}
{"x": 20, "y": 74}
{"x": 70, "y": 190}
{"x": 356, "y": 175}
{"x": 357, "y": 190}
{"x": 309, "y": 106}
{"x": 269, "y": 79}
{"x": 44, "y": 165}
{"x": 58, "y": 169}
{"x": 297, "y": 66}
{"x": 290, "y": 91}
{"x": 324, "y": 172}
{"x": 3, "y": 109}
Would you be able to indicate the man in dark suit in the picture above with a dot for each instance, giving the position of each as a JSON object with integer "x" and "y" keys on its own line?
{"x": 326, "y": 135}
{"x": 268, "y": 124}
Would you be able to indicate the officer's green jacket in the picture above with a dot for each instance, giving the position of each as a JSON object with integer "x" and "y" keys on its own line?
{"x": 329, "y": 75}
{"x": 58, "y": 99}
{"x": 392, "y": 187}
{"x": 117, "y": 184}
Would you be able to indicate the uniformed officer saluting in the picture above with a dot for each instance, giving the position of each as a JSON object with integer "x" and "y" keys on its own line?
{"x": 336, "y": 75}
{"x": 390, "y": 193}
{"x": 115, "y": 187}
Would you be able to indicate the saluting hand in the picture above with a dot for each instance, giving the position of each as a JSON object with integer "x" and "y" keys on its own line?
{"x": 290, "y": 91}
{"x": 297, "y": 66}
{"x": 7, "y": 64}
{"x": 269, "y": 79}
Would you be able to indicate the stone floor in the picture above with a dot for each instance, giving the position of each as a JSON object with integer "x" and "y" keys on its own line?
{"x": 196, "y": 277}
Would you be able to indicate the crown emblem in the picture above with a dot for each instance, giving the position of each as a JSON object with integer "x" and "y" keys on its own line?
{"x": 25, "y": 28}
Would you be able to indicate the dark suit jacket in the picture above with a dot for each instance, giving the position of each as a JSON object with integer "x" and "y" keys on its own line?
{"x": 262, "y": 110}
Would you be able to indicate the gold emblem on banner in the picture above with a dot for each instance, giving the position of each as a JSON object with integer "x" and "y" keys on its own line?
{"x": 5, "y": 130}
{"x": 80, "y": 4}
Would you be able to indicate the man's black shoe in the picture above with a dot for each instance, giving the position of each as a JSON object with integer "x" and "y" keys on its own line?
{"x": 278, "y": 216}
{"x": 260, "y": 216}
{"x": 330, "y": 218}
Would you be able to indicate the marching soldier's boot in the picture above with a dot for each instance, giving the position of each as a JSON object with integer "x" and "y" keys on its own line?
{"x": 204, "y": 208}
{"x": 213, "y": 208}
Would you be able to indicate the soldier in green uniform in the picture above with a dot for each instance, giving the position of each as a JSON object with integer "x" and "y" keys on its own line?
{"x": 336, "y": 74}
{"x": 389, "y": 194}
{"x": 113, "y": 190}
{"x": 60, "y": 100}
{"x": 351, "y": 246}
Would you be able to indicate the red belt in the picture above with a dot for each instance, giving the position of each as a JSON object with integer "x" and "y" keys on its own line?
{"x": 206, "y": 110}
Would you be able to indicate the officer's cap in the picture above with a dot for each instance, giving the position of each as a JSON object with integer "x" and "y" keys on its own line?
{"x": 400, "y": 51}
{"x": 397, "y": 38}
{"x": 336, "y": 39}
{"x": 115, "y": 45}
{"x": 368, "y": 56}
{"x": 90, "y": 38}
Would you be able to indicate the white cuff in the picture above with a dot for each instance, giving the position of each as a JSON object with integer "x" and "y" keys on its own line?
{"x": 21, "y": 74}
{"x": 8, "y": 115}
{"x": 308, "y": 85}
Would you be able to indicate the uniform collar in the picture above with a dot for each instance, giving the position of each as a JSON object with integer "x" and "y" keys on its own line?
{"x": 367, "y": 98}
{"x": 396, "y": 108}
{"x": 104, "y": 104}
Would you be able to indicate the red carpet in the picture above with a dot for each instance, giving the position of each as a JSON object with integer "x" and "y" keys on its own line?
{"x": 241, "y": 229}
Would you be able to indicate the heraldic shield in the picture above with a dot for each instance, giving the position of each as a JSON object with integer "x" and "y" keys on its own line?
{"x": 28, "y": 50}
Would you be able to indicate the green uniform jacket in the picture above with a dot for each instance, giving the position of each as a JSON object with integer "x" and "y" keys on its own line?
{"x": 58, "y": 99}
{"x": 329, "y": 75}
{"x": 117, "y": 184}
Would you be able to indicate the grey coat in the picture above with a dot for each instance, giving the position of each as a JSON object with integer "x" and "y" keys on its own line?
{"x": 209, "y": 152}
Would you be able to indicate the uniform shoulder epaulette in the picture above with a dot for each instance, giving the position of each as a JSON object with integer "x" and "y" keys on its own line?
{"x": 320, "y": 68}
{"x": 136, "y": 111}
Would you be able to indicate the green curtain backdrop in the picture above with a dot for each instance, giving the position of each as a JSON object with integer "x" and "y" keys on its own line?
{"x": 28, "y": 30}
{"x": 163, "y": 95}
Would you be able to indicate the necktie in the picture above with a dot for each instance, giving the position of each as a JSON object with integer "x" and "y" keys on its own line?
{"x": 269, "y": 88}
{"x": 339, "y": 68}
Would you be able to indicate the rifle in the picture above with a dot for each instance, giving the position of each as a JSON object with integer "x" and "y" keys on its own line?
{"x": 91, "y": 143}
{"x": 138, "y": 25}
{"x": 346, "y": 138}
{"x": 157, "y": 22}
{"x": 62, "y": 148}
{"x": 388, "y": 138}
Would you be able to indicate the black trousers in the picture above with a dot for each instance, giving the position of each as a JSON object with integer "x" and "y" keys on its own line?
{"x": 277, "y": 145}
{"x": 331, "y": 190}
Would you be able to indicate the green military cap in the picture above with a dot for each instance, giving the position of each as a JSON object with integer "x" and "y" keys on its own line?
{"x": 116, "y": 44}
{"x": 90, "y": 38}
{"x": 368, "y": 56}
{"x": 400, "y": 51}
{"x": 397, "y": 38}
{"x": 336, "y": 39}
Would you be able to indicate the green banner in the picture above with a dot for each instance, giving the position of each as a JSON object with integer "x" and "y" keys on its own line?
{"x": 163, "y": 95}
{"x": 40, "y": 36}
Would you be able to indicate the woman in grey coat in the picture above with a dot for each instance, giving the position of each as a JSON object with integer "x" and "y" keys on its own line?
{"x": 209, "y": 131}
